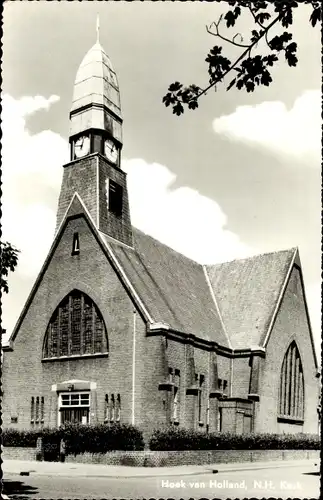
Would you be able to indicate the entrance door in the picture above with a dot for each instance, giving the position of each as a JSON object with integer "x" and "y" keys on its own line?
{"x": 74, "y": 416}
{"x": 246, "y": 423}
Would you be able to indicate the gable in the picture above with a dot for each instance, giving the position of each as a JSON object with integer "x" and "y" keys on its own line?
{"x": 60, "y": 258}
{"x": 247, "y": 292}
{"x": 293, "y": 305}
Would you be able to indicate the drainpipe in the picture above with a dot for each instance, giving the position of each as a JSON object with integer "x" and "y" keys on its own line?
{"x": 231, "y": 376}
{"x": 208, "y": 396}
{"x": 133, "y": 367}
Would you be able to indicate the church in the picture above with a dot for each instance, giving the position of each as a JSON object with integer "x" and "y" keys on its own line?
{"x": 118, "y": 327}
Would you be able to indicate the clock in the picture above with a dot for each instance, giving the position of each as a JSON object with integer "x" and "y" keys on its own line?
{"x": 110, "y": 150}
{"x": 82, "y": 146}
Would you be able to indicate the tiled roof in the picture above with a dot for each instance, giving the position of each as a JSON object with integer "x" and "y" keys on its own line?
{"x": 172, "y": 287}
{"x": 247, "y": 292}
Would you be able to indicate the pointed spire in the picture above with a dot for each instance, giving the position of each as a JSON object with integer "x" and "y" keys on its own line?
{"x": 97, "y": 28}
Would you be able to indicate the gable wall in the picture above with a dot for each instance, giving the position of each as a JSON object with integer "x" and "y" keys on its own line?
{"x": 291, "y": 324}
{"x": 24, "y": 373}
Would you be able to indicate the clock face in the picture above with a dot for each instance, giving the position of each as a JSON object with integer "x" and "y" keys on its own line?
{"x": 110, "y": 150}
{"x": 82, "y": 146}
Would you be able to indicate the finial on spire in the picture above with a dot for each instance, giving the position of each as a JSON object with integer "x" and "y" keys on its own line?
{"x": 97, "y": 28}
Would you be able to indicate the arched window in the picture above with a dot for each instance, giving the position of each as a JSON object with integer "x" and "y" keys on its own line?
{"x": 75, "y": 328}
{"x": 291, "y": 394}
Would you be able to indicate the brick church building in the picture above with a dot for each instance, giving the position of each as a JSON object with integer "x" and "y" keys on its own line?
{"x": 119, "y": 327}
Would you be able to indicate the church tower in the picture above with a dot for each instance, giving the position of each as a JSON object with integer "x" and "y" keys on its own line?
{"x": 95, "y": 140}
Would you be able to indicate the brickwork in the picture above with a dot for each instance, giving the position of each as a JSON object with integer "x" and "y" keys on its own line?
{"x": 87, "y": 177}
{"x": 291, "y": 324}
{"x": 17, "y": 453}
{"x": 117, "y": 227}
{"x": 79, "y": 176}
{"x": 241, "y": 377}
{"x": 191, "y": 457}
{"x": 25, "y": 375}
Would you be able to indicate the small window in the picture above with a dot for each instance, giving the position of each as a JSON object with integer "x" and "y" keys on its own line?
{"x": 219, "y": 422}
{"x": 14, "y": 420}
{"x": 76, "y": 244}
{"x": 115, "y": 194}
{"x": 112, "y": 408}
{"x": 118, "y": 408}
{"x": 32, "y": 410}
{"x": 37, "y": 409}
{"x": 200, "y": 383}
{"x": 42, "y": 409}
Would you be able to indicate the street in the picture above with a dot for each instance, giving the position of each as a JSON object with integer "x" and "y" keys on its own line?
{"x": 285, "y": 482}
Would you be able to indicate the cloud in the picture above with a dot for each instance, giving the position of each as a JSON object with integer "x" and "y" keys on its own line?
{"x": 32, "y": 172}
{"x": 32, "y": 169}
{"x": 31, "y": 180}
{"x": 182, "y": 218}
{"x": 295, "y": 132}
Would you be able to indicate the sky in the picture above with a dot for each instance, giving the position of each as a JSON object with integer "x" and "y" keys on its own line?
{"x": 239, "y": 176}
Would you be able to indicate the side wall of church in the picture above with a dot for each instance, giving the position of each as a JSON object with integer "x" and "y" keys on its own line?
{"x": 24, "y": 373}
{"x": 291, "y": 324}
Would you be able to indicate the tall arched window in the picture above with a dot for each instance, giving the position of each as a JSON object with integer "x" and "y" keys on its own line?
{"x": 75, "y": 328}
{"x": 291, "y": 394}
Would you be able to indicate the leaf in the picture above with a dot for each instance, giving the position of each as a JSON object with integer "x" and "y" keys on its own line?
{"x": 270, "y": 59}
{"x": 174, "y": 87}
{"x": 237, "y": 12}
{"x": 266, "y": 79}
{"x": 250, "y": 86}
{"x": 316, "y": 16}
{"x": 291, "y": 59}
{"x": 193, "y": 104}
{"x": 230, "y": 18}
{"x": 262, "y": 17}
{"x": 231, "y": 84}
{"x": 178, "y": 109}
{"x": 167, "y": 100}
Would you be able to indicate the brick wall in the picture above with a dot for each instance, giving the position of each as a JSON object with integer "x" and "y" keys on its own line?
{"x": 15, "y": 453}
{"x": 25, "y": 375}
{"x": 291, "y": 324}
{"x": 170, "y": 458}
{"x": 191, "y": 457}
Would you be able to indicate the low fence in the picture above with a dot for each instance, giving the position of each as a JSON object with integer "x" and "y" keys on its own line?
{"x": 170, "y": 458}
{"x": 16, "y": 453}
{"x": 190, "y": 457}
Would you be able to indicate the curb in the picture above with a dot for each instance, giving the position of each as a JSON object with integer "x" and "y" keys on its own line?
{"x": 166, "y": 474}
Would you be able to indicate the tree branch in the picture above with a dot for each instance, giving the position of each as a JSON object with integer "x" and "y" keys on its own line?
{"x": 259, "y": 24}
{"x": 208, "y": 29}
{"x": 242, "y": 56}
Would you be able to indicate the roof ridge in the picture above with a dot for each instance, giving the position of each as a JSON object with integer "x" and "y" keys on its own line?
{"x": 257, "y": 255}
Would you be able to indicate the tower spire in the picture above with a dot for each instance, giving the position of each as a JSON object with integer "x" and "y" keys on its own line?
{"x": 97, "y": 28}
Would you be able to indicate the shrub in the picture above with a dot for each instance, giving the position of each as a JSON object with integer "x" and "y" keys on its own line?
{"x": 184, "y": 439}
{"x": 78, "y": 439}
{"x": 101, "y": 438}
{"x": 21, "y": 438}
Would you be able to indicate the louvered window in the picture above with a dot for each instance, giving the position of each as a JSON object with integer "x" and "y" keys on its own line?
{"x": 291, "y": 393}
{"x": 76, "y": 328}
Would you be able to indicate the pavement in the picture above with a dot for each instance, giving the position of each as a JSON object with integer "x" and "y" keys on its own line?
{"x": 24, "y": 467}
